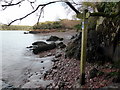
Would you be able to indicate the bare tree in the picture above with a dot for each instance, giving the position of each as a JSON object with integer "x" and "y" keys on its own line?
{"x": 10, "y": 3}
{"x": 71, "y": 3}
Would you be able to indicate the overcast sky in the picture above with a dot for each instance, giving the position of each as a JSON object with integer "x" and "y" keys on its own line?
{"x": 51, "y": 12}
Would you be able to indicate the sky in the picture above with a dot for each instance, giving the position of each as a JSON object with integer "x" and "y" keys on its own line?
{"x": 52, "y": 12}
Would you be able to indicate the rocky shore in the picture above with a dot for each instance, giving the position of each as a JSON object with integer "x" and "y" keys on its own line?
{"x": 65, "y": 72}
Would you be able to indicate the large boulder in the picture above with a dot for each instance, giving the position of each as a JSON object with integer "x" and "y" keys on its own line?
{"x": 39, "y": 43}
{"x": 45, "y": 47}
{"x": 74, "y": 47}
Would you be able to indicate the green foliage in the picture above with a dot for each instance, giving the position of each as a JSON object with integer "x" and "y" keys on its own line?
{"x": 48, "y": 25}
{"x": 107, "y": 7}
{"x": 78, "y": 27}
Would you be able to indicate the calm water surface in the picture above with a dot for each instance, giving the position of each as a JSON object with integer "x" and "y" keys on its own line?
{"x": 16, "y": 58}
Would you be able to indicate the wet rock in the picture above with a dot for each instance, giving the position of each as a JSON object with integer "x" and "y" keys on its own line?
{"x": 25, "y": 32}
{"x": 61, "y": 39}
{"x": 54, "y": 38}
{"x": 43, "y": 67}
{"x": 44, "y": 48}
{"x": 55, "y": 59}
{"x": 41, "y": 61}
{"x": 30, "y": 47}
{"x": 93, "y": 73}
{"x": 58, "y": 55}
{"x": 61, "y": 45}
{"x": 34, "y": 32}
{"x": 45, "y": 75}
{"x": 54, "y": 67}
{"x": 49, "y": 71}
{"x": 39, "y": 43}
{"x": 72, "y": 37}
{"x": 49, "y": 54}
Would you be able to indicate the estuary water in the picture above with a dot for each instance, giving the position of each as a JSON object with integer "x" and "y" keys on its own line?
{"x": 20, "y": 67}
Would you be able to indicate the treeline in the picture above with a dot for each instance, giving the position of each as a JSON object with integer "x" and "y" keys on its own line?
{"x": 48, "y": 25}
{"x": 61, "y": 24}
{"x": 15, "y": 27}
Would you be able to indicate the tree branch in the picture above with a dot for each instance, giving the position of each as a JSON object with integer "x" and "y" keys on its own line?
{"x": 67, "y": 2}
{"x": 10, "y": 4}
{"x": 32, "y": 11}
{"x": 72, "y": 7}
{"x": 40, "y": 14}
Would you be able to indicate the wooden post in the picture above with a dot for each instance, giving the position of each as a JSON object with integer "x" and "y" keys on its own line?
{"x": 83, "y": 46}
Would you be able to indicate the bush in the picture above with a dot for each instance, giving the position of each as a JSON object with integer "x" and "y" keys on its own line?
{"x": 78, "y": 27}
{"x": 48, "y": 25}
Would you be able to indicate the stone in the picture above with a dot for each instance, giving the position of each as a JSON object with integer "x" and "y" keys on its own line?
{"x": 58, "y": 55}
{"x": 93, "y": 73}
{"x": 34, "y": 32}
{"x": 53, "y": 38}
{"x": 116, "y": 79}
{"x": 44, "y": 48}
{"x": 49, "y": 54}
{"x": 54, "y": 67}
{"x": 25, "y": 32}
{"x": 39, "y": 43}
{"x": 61, "y": 45}
{"x": 55, "y": 59}
{"x": 30, "y": 47}
{"x": 41, "y": 61}
{"x": 60, "y": 39}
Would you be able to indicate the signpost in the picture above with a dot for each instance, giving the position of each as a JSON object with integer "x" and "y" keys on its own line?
{"x": 85, "y": 17}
